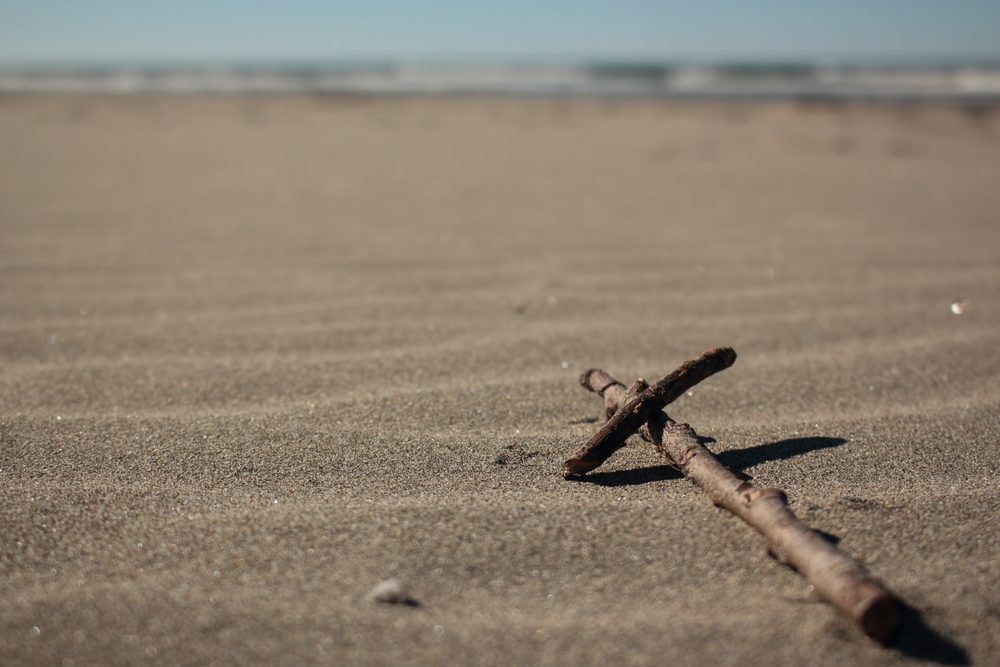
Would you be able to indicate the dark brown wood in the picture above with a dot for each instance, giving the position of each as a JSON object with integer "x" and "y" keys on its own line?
{"x": 626, "y": 421}
{"x": 835, "y": 576}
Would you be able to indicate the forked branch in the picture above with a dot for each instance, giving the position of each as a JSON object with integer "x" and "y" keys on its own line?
{"x": 634, "y": 413}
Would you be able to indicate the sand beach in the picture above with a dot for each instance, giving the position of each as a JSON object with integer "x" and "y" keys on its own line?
{"x": 260, "y": 353}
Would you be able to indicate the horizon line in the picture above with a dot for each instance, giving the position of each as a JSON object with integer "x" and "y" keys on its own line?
{"x": 500, "y": 60}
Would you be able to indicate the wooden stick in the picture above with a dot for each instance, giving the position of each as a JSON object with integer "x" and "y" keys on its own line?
{"x": 834, "y": 575}
{"x": 635, "y": 412}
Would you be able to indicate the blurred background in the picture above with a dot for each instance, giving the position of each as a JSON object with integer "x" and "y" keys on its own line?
{"x": 887, "y": 49}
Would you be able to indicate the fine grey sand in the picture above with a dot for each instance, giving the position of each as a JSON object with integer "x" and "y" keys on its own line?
{"x": 260, "y": 354}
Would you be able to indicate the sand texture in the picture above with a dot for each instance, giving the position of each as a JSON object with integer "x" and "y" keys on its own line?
{"x": 260, "y": 354}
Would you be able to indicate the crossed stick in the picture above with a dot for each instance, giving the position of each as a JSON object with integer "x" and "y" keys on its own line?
{"x": 834, "y": 575}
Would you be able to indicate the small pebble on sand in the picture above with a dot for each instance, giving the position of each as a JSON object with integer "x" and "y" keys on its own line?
{"x": 390, "y": 591}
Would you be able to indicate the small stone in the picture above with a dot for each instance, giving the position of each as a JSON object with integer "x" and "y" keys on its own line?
{"x": 958, "y": 307}
{"x": 390, "y": 591}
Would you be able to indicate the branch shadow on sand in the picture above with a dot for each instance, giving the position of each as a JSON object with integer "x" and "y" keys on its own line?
{"x": 736, "y": 460}
{"x": 916, "y": 639}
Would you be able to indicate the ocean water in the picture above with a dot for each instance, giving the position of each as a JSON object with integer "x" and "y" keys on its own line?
{"x": 966, "y": 82}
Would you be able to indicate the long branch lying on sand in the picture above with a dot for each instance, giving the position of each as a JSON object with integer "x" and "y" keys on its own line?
{"x": 835, "y": 576}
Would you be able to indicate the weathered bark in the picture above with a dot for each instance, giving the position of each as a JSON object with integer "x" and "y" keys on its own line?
{"x": 634, "y": 413}
{"x": 834, "y": 575}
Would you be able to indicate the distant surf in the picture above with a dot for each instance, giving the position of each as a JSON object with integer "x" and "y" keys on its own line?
{"x": 956, "y": 82}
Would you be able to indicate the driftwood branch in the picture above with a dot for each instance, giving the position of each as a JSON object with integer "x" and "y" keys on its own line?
{"x": 634, "y": 413}
{"x": 834, "y": 575}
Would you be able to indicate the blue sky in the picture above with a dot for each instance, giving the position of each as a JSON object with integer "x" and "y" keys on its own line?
{"x": 290, "y": 30}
